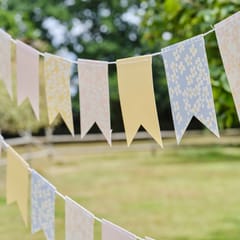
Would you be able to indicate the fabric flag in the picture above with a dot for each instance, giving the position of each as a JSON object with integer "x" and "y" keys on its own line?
{"x": 189, "y": 85}
{"x": 79, "y": 222}
{"x": 57, "y": 80}
{"x": 137, "y": 99}
{"x": 5, "y": 60}
{"x": 94, "y": 96}
{"x": 17, "y": 182}
{"x": 228, "y": 38}
{"x": 43, "y": 206}
{"x": 27, "y": 60}
{"x": 111, "y": 231}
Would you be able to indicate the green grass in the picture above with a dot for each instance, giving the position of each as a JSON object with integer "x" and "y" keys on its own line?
{"x": 178, "y": 193}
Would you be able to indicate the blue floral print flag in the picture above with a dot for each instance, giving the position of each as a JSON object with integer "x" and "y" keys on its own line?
{"x": 189, "y": 85}
{"x": 43, "y": 206}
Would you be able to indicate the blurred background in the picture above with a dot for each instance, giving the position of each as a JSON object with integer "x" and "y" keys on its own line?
{"x": 180, "y": 193}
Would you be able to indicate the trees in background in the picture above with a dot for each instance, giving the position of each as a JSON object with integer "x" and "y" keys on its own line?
{"x": 170, "y": 21}
{"x": 111, "y": 29}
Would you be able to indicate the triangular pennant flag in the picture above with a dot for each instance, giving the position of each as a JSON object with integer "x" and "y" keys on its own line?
{"x": 43, "y": 206}
{"x": 5, "y": 60}
{"x": 189, "y": 85}
{"x": 94, "y": 96}
{"x": 228, "y": 38}
{"x": 57, "y": 73}
{"x": 79, "y": 222}
{"x": 111, "y": 231}
{"x": 137, "y": 99}
{"x": 27, "y": 60}
{"x": 17, "y": 183}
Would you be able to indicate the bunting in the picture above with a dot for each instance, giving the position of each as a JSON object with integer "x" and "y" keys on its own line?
{"x": 79, "y": 222}
{"x": 94, "y": 96}
{"x": 190, "y": 93}
{"x": 57, "y": 73}
{"x": 187, "y": 76}
{"x": 27, "y": 59}
{"x": 17, "y": 182}
{"x": 5, "y": 60}
{"x": 189, "y": 85}
{"x": 228, "y": 37}
{"x": 136, "y": 94}
{"x": 43, "y": 206}
{"x": 111, "y": 231}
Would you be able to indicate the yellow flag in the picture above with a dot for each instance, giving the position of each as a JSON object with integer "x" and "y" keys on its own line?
{"x": 137, "y": 99}
{"x": 17, "y": 182}
{"x": 57, "y": 73}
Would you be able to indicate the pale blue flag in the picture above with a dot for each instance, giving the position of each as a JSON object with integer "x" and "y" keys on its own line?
{"x": 43, "y": 206}
{"x": 189, "y": 85}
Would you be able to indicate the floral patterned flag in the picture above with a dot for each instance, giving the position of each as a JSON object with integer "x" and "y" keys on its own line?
{"x": 94, "y": 96}
{"x": 136, "y": 94}
{"x": 5, "y": 60}
{"x": 189, "y": 85}
{"x": 57, "y": 73}
{"x": 43, "y": 206}
{"x": 17, "y": 182}
{"x": 79, "y": 222}
{"x": 111, "y": 231}
{"x": 228, "y": 38}
{"x": 27, "y": 60}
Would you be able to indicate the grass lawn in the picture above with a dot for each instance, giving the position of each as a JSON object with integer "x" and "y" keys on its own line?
{"x": 178, "y": 193}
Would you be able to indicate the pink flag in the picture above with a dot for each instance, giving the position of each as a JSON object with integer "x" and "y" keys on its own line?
{"x": 94, "y": 96}
{"x": 111, "y": 231}
{"x": 5, "y": 61}
{"x": 228, "y": 37}
{"x": 27, "y": 59}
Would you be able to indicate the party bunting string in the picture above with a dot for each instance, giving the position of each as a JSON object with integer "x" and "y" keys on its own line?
{"x": 109, "y": 229}
{"x": 190, "y": 92}
{"x": 114, "y": 62}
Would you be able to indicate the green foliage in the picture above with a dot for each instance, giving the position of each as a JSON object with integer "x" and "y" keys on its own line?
{"x": 184, "y": 19}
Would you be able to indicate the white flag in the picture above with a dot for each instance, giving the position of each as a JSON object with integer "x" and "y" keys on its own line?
{"x": 79, "y": 222}
{"x": 111, "y": 231}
